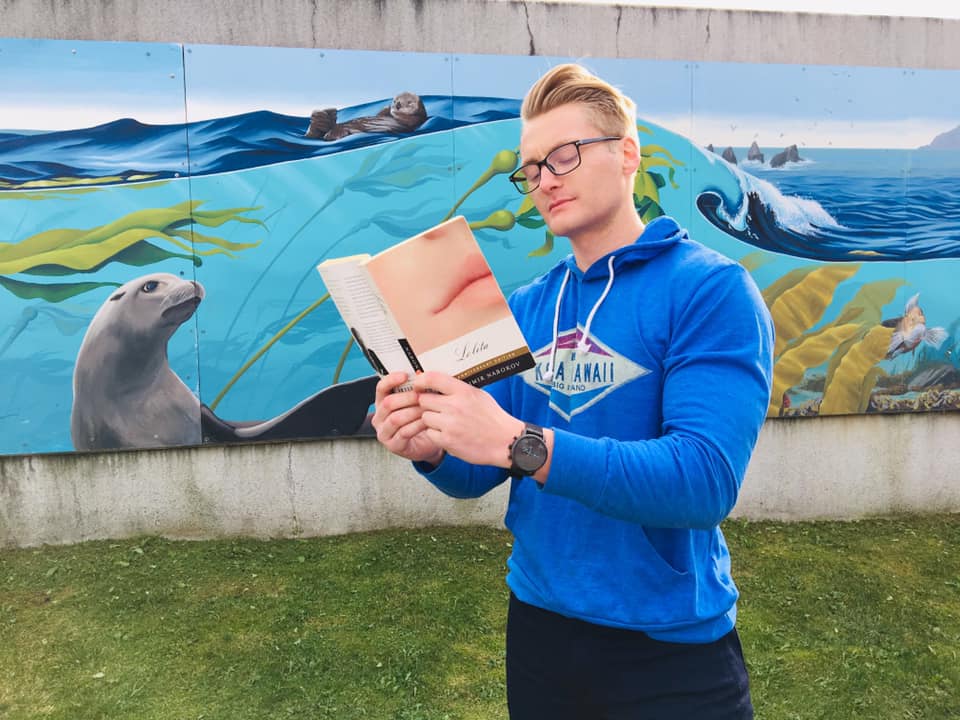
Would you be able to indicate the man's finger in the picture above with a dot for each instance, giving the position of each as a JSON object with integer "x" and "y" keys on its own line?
{"x": 432, "y": 419}
{"x": 392, "y": 423}
{"x": 389, "y": 383}
{"x": 436, "y": 382}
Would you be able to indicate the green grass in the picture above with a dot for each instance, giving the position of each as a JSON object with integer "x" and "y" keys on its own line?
{"x": 838, "y": 620}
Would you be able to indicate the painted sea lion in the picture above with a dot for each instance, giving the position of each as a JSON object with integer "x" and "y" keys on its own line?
{"x": 124, "y": 393}
{"x": 339, "y": 410}
{"x": 405, "y": 114}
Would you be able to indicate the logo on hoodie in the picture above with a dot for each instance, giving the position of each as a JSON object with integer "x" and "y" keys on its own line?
{"x": 584, "y": 373}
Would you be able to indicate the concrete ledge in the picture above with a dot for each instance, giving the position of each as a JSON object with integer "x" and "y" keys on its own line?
{"x": 806, "y": 469}
{"x": 834, "y": 468}
{"x": 266, "y": 490}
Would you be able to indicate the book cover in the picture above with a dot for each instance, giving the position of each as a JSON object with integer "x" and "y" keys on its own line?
{"x": 429, "y": 302}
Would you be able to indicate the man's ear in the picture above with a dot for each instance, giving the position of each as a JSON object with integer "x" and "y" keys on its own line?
{"x": 631, "y": 156}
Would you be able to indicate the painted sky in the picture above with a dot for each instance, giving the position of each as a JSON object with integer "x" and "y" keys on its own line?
{"x": 50, "y": 85}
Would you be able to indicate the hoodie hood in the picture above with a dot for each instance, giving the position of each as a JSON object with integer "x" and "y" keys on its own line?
{"x": 657, "y": 236}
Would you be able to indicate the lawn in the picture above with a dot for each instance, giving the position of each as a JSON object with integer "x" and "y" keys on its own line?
{"x": 838, "y": 620}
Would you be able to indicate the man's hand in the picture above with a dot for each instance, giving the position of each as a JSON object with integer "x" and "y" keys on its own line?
{"x": 399, "y": 423}
{"x": 464, "y": 420}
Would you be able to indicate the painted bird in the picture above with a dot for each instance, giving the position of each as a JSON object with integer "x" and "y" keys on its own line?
{"x": 911, "y": 329}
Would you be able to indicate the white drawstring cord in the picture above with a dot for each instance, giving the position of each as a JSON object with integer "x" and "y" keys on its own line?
{"x": 584, "y": 343}
{"x": 548, "y": 372}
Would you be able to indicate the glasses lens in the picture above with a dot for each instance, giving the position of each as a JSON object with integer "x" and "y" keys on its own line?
{"x": 526, "y": 178}
{"x": 564, "y": 159}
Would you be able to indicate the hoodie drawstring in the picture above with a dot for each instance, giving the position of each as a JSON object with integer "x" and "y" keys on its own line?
{"x": 548, "y": 372}
{"x": 584, "y": 344}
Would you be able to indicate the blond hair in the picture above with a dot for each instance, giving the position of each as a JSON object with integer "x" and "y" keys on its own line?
{"x": 610, "y": 110}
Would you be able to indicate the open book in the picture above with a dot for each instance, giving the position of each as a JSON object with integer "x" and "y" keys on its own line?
{"x": 429, "y": 303}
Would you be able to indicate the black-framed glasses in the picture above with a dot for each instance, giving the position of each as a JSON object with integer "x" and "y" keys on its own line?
{"x": 562, "y": 160}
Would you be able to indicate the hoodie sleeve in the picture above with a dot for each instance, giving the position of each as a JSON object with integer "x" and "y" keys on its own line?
{"x": 460, "y": 479}
{"x": 716, "y": 387}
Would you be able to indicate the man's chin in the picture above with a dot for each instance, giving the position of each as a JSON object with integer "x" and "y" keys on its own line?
{"x": 562, "y": 227}
{"x": 559, "y": 223}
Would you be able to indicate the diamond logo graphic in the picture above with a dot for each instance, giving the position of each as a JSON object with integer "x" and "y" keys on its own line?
{"x": 581, "y": 378}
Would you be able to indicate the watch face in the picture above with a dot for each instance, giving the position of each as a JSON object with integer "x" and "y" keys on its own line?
{"x": 529, "y": 453}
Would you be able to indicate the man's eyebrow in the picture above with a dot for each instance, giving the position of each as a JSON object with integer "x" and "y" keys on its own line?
{"x": 527, "y": 160}
{"x": 530, "y": 161}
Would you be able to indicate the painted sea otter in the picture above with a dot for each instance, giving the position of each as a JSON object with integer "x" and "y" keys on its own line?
{"x": 405, "y": 114}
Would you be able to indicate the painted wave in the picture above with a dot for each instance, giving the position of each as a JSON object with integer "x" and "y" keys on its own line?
{"x": 839, "y": 217}
{"x": 126, "y": 149}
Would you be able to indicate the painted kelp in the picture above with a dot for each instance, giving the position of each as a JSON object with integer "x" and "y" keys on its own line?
{"x": 136, "y": 239}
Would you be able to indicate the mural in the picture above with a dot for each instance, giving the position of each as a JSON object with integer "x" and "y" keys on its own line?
{"x": 164, "y": 208}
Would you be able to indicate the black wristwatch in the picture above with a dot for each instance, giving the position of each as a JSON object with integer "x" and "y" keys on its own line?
{"x": 528, "y": 452}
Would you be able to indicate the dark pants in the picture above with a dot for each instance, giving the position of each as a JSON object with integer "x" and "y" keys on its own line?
{"x": 564, "y": 669}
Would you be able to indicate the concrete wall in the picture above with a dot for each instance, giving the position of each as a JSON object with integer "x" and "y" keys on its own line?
{"x": 821, "y": 468}
{"x": 500, "y": 26}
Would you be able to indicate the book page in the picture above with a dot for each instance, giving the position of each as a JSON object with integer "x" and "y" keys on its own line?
{"x": 366, "y": 316}
{"x": 341, "y": 277}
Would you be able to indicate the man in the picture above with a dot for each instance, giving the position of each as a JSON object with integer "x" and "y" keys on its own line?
{"x": 626, "y": 445}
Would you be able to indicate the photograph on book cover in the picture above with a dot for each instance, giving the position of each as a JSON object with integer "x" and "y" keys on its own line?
{"x": 438, "y": 286}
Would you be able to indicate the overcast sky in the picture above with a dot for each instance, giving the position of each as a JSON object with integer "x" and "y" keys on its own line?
{"x": 905, "y": 8}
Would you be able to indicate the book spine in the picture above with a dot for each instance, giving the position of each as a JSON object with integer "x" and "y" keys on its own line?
{"x": 411, "y": 355}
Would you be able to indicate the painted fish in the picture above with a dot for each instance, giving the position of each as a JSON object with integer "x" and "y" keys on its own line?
{"x": 910, "y": 329}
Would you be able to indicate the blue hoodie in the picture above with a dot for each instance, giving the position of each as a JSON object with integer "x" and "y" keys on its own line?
{"x": 654, "y": 370}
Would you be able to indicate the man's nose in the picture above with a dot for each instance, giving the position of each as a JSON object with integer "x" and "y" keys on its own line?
{"x": 548, "y": 179}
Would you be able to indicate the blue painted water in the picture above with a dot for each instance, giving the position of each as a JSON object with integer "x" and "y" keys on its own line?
{"x": 126, "y": 148}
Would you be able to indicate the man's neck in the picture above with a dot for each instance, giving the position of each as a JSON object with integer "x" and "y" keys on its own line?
{"x": 594, "y": 243}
